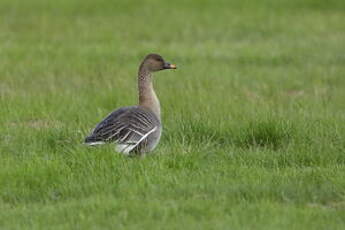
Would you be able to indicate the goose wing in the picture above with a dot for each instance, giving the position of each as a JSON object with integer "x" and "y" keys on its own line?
{"x": 127, "y": 127}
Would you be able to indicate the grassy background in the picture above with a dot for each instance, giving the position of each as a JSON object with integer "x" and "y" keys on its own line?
{"x": 254, "y": 121}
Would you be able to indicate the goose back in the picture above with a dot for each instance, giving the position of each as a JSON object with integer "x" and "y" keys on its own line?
{"x": 133, "y": 129}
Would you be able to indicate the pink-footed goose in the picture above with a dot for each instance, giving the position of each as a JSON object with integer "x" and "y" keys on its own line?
{"x": 135, "y": 129}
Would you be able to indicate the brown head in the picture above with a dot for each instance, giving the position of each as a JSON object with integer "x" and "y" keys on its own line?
{"x": 155, "y": 62}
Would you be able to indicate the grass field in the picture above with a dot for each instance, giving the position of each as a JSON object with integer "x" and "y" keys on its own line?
{"x": 254, "y": 118}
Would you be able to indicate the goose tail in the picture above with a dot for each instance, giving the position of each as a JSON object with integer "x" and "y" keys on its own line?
{"x": 91, "y": 140}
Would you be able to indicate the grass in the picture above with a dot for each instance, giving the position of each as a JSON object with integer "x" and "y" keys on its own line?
{"x": 253, "y": 118}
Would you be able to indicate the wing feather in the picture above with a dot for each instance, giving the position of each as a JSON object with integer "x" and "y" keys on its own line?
{"x": 127, "y": 127}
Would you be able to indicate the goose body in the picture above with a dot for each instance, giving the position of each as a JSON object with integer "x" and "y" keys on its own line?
{"x": 135, "y": 129}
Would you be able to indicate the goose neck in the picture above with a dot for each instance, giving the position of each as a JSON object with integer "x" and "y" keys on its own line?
{"x": 147, "y": 95}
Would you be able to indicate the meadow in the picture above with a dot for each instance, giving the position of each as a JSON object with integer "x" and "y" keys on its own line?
{"x": 254, "y": 116}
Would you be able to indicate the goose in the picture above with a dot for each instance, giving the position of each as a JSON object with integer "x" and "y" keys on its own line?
{"x": 135, "y": 130}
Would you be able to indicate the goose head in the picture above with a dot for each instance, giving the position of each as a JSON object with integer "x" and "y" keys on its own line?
{"x": 155, "y": 62}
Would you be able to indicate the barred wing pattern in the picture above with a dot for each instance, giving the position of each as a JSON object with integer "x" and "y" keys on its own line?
{"x": 128, "y": 127}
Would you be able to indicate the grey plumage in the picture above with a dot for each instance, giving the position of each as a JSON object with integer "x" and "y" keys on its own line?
{"x": 133, "y": 129}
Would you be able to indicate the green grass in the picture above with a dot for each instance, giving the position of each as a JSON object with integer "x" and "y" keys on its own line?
{"x": 254, "y": 118}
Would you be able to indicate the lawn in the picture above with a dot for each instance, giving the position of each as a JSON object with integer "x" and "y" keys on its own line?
{"x": 254, "y": 116}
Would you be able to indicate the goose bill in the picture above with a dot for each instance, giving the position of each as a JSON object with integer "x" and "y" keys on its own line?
{"x": 167, "y": 65}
